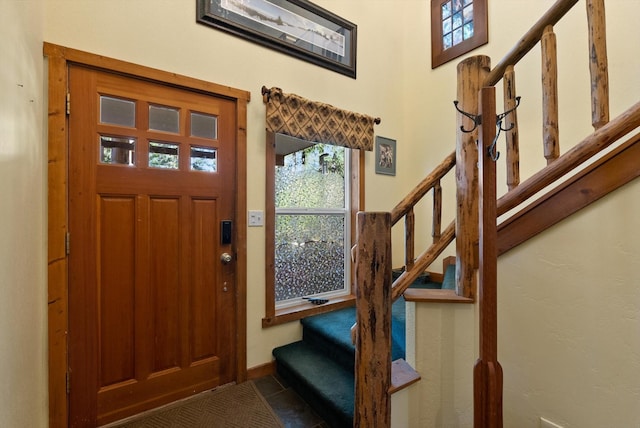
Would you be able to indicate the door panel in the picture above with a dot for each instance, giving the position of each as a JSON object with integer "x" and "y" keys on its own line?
{"x": 116, "y": 259}
{"x": 152, "y": 308}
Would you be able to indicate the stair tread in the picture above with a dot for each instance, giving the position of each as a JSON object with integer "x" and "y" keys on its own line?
{"x": 320, "y": 367}
{"x": 327, "y": 382}
{"x": 335, "y": 328}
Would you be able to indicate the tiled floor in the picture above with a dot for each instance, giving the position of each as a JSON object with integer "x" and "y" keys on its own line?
{"x": 290, "y": 408}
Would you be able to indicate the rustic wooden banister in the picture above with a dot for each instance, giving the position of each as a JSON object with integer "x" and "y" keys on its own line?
{"x": 590, "y": 146}
{"x": 416, "y": 266}
{"x": 475, "y": 225}
{"x": 529, "y": 40}
{"x": 409, "y": 201}
{"x": 406, "y": 205}
{"x": 425, "y": 259}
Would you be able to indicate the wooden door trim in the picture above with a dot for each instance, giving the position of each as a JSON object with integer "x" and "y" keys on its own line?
{"x": 59, "y": 59}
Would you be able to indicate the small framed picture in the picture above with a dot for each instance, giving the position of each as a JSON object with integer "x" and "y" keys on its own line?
{"x": 385, "y": 156}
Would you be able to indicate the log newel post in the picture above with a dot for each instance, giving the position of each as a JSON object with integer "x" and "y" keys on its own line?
{"x": 487, "y": 373}
{"x": 471, "y": 73}
{"x": 373, "y": 317}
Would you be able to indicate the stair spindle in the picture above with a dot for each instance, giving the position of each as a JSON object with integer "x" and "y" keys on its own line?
{"x": 436, "y": 228}
{"x": 550, "y": 95}
{"x": 598, "y": 63}
{"x": 409, "y": 226}
{"x": 513, "y": 140}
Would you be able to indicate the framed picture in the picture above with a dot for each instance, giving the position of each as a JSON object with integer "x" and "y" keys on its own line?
{"x": 385, "y": 156}
{"x": 457, "y": 27}
{"x": 295, "y": 27}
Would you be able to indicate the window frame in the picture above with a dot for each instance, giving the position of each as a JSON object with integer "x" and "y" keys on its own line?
{"x": 276, "y": 316}
{"x": 480, "y": 36}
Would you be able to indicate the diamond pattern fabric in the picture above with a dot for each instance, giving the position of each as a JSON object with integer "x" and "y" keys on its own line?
{"x": 298, "y": 117}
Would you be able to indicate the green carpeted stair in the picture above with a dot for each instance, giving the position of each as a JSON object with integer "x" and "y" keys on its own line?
{"x": 320, "y": 367}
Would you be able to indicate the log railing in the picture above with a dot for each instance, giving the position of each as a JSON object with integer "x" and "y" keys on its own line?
{"x": 475, "y": 226}
{"x": 487, "y": 371}
{"x": 405, "y": 208}
{"x": 375, "y": 292}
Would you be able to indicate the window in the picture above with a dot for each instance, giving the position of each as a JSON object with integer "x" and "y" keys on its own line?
{"x": 313, "y": 193}
{"x": 457, "y": 27}
{"x": 311, "y": 221}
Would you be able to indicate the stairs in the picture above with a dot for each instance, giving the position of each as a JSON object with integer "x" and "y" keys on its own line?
{"x": 320, "y": 367}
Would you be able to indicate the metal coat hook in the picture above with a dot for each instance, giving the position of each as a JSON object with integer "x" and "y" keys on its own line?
{"x": 491, "y": 150}
{"x": 477, "y": 119}
{"x": 503, "y": 115}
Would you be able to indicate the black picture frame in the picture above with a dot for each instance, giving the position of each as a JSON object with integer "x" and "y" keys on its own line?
{"x": 385, "y": 149}
{"x": 295, "y": 27}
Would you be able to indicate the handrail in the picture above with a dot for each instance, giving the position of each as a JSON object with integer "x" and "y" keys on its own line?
{"x": 423, "y": 261}
{"x": 403, "y": 207}
{"x": 602, "y": 138}
{"x": 413, "y": 268}
{"x": 529, "y": 40}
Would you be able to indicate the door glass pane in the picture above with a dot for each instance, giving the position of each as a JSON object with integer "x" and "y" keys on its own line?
{"x": 204, "y": 126}
{"x": 117, "y": 150}
{"x": 204, "y": 159}
{"x": 163, "y": 155}
{"x": 165, "y": 119}
{"x": 310, "y": 255}
{"x": 117, "y": 111}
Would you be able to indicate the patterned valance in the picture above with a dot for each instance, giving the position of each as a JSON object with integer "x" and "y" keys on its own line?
{"x": 313, "y": 121}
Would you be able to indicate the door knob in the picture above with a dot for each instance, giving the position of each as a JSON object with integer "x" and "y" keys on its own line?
{"x": 226, "y": 258}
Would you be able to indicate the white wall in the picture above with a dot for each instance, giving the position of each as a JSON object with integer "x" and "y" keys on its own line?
{"x": 23, "y": 358}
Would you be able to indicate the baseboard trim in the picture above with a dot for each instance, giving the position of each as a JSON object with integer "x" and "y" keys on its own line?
{"x": 261, "y": 370}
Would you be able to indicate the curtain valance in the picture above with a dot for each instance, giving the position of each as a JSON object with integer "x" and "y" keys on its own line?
{"x": 314, "y": 121}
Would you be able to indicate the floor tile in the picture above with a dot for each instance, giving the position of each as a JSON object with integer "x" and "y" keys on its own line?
{"x": 268, "y": 386}
{"x": 292, "y": 410}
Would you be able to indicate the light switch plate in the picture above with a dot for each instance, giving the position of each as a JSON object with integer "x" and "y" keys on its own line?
{"x": 256, "y": 218}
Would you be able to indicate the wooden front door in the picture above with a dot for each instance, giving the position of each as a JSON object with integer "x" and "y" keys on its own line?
{"x": 151, "y": 301}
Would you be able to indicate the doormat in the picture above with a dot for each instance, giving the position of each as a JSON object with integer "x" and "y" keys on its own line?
{"x": 233, "y": 406}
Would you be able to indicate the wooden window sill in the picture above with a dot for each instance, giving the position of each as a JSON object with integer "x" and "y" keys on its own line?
{"x": 294, "y": 313}
{"x": 437, "y": 296}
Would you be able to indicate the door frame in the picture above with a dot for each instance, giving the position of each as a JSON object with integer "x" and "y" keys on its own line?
{"x": 59, "y": 59}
